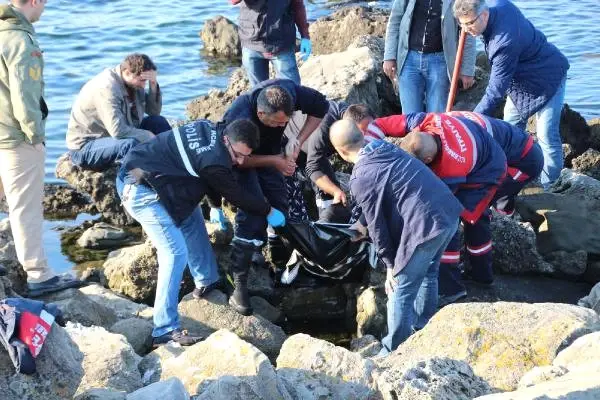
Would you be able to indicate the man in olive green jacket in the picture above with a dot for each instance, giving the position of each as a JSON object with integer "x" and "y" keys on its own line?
{"x": 22, "y": 150}
{"x": 107, "y": 118}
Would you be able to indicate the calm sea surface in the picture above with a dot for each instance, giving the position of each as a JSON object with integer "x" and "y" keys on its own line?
{"x": 80, "y": 38}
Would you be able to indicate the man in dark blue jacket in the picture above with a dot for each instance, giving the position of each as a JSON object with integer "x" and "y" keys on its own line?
{"x": 411, "y": 217}
{"x": 161, "y": 183}
{"x": 525, "y": 66}
{"x": 269, "y": 105}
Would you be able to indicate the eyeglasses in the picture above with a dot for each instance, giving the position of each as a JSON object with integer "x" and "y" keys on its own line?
{"x": 236, "y": 154}
{"x": 470, "y": 23}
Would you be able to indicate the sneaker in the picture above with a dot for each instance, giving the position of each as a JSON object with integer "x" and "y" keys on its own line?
{"x": 55, "y": 284}
{"x": 202, "y": 291}
{"x": 179, "y": 336}
{"x": 444, "y": 300}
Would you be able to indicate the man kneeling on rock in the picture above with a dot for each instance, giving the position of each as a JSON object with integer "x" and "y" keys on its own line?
{"x": 161, "y": 183}
{"x": 411, "y": 217}
{"x": 107, "y": 118}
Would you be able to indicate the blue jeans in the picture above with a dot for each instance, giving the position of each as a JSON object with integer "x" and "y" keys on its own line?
{"x": 415, "y": 298}
{"x": 423, "y": 83}
{"x": 175, "y": 246}
{"x": 101, "y": 154}
{"x": 256, "y": 65}
{"x": 547, "y": 132}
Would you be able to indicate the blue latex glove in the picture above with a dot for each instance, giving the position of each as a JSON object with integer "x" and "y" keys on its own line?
{"x": 305, "y": 48}
{"x": 276, "y": 218}
{"x": 217, "y": 216}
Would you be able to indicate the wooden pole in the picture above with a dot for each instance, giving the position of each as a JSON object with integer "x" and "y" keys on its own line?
{"x": 456, "y": 72}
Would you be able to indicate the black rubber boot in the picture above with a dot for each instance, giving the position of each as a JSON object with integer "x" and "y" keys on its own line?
{"x": 241, "y": 256}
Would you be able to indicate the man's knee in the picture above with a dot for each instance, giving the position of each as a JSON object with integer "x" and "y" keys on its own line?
{"x": 155, "y": 124}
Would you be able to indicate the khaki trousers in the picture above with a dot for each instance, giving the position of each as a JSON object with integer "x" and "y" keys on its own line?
{"x": 22, "y": 182}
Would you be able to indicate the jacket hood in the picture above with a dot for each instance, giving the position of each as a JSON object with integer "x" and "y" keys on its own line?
{"x": 11, "y": 20}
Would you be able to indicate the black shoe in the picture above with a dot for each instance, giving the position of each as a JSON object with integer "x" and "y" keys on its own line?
{"x": 239, "y": 299}
{"x": 177, "y": 336}
{"x": 466, "y": 276}
{"x": 241, "y": 256}
{"x": 3, "y": 271}
{"x": 202, "y": 291}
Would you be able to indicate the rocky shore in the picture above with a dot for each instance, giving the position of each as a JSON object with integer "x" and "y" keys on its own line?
{"x": 535, "y": 333}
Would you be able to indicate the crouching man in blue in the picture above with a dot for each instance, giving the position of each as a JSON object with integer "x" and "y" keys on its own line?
{"x": 411, "y": 217}
{"x": 525, "y": 66}
{"x": 161, "y": 183}
{"x": 269, "y": 105}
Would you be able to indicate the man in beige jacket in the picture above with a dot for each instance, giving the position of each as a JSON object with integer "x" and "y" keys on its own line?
{"x": 107, "y": 118}
{"x": 22, "y": 150}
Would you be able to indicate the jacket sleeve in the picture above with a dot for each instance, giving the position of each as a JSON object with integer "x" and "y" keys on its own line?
{"x": 317, "y": 157}
{"x": 222, "y": 181}
{"x": 376, "y": 222}
{"x": 395, "y": 125}
{"x": 110, "y": 113}
{"x": 504, "y": 60}
{"x": 25, "y": 82}
{"x": 154, "y": 101}
{"x": 311, "y": 102}
{"x": 300, "y": 18}
{"x": 469, "y": 57}
{"x": 392, "y": 32}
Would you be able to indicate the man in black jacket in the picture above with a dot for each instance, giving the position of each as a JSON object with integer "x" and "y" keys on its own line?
{"x": 161, "y": 183}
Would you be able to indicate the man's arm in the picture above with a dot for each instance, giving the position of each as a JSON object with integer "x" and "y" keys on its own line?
{"x": 109, "y": 107}
{"x": 504, "y": 62}
{"x": 221, "y": 180}
{"x": 308, "y": 128}
{"x": 467, "y": 66}
{"x": 395, "y": 125}
{"x": 392, "y": 32}
{"x": 24, "y": 65}
{"x": 300, "y": 18}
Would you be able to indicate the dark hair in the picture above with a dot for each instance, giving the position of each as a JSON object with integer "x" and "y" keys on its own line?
{"x": 273, "y": 99}
{"x": 137, "y": 63}
{"x": 358, "y": 112}
{"x": 244, "y": 131}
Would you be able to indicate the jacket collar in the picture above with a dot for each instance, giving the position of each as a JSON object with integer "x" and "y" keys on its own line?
{"x": 491, "y": 21}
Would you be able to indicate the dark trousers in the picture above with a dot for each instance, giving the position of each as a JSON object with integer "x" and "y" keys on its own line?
{"x": 101, "y": 154}
{"x": 519, "y": 174}
{"x": 263, "y": 182}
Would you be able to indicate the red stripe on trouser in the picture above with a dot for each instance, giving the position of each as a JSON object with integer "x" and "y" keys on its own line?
{"x": 527, "y": 147}
{"x": 450, "y": 257}
{"x": 517, "y": 175}
{"x": 471, "y": 216}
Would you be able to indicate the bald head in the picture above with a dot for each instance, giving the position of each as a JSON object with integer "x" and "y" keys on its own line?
{"x": 421, "y": 145}
{"x": 347, "y": 139}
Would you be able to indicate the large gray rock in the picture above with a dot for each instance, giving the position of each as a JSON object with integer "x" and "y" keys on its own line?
{"x": 432, "y": 379}
{"x": 579, "y": 384}
{"x": 366, "y": 346}
{"x": 335, "y": 32}
{"x": 584, "y": 350}
{"x": 592, "y": 300}
{"x": 354, "y": 75}
{"x": 101, "y": 394}
{"x": 574, "y": 183}
{"x": 500, "y": 341}
{"x": 15, "y": 282}
{"x": 103, "y": 236}
{"x": 137, "y": 331}
{"x": 212, "y": 313}
{"x": 310, "y": 385}
{"x": 59, "y": 371}
{"x": 108, "y": 360}
{"x": 99, "y": 186}
{"x": 170, "y": 389}
{"x": 220, "y": 37}
{"x": 371, "y": 312}
{"x": 515, "y": 250}
{"x": 222, "y": 355}
{"x": 123, "y": 307}
{"x": 133, "y": 271}
{"x": 303, "y": 352}
{"x": 77, "y": 307}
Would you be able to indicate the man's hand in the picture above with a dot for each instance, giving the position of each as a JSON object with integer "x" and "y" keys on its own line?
{"x": 339, "y": 197}
{"x": 390, "y": 282}
{"x": 467, "y": 81}
{"x": 305, "y": 48}
{"x": 285, "y": 165}
{"x": 389, "y": 68}
{"x": 151, "y": 77}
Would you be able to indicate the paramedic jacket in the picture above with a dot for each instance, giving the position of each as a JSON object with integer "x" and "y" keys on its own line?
{"x": 469, "y": 157}
{"x": 403, "y": 203}
{"x": 305, "y": 99}
{"x": 515, "y": 142}
{"x": 185, "y": 164}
